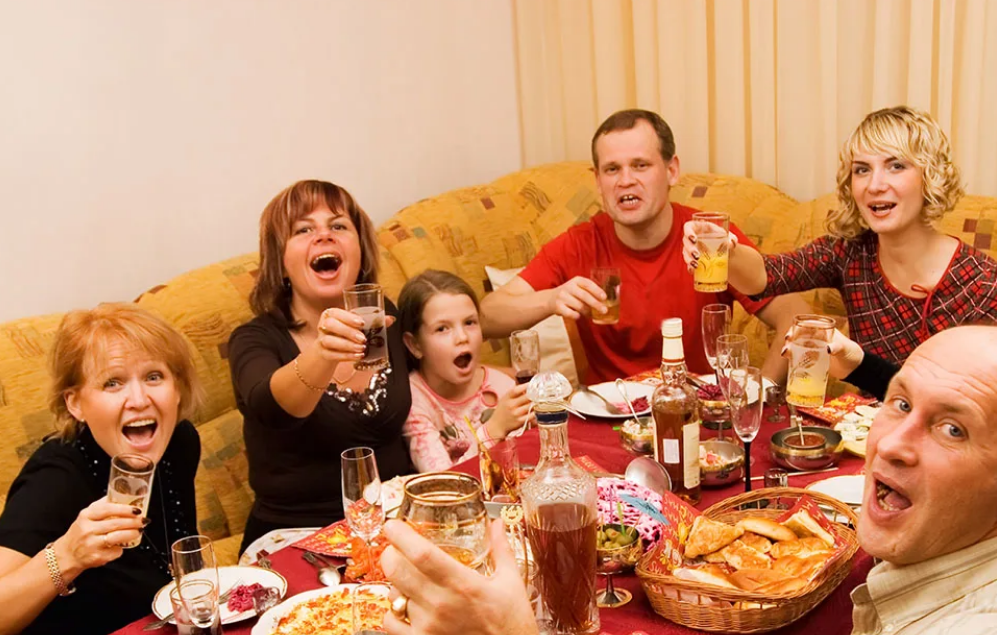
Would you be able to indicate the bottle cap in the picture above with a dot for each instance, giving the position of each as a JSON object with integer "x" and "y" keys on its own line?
{"x": 672, "y": 327}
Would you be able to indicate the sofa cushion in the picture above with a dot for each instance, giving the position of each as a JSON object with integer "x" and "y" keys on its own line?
{"x": 224, "y": 497}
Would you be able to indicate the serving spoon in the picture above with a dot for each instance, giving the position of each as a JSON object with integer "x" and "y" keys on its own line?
{"x": 328, "y": 573}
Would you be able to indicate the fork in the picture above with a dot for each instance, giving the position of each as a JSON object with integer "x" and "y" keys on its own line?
{"x": 223, "y": 598}
{"x": 610, "y": 406}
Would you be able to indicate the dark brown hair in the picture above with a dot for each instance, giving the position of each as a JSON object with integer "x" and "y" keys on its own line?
{"x": 418, "y": 291}
{"x": 82, "y": 342}
{"x": 272, "y": 293}
{"x": 626, "y": 120}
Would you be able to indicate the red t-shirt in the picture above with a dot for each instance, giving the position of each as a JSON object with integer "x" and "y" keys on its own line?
{"x": 655, "y": 286}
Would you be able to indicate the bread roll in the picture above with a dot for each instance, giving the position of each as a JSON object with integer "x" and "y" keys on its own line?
{"x": 797, "y": 567}
{"x": 708, "y": 536}
{"x": 741, "y": 556}
{"x": 717, "y": 557}
{"x": 803, "y": 547}
{"x": 768, "y": 528}
{"x": 707, "y": 574}
{"x": 756, "y": 542}
{"x": 804, "y": 525}
{"x": 751, "y": 579}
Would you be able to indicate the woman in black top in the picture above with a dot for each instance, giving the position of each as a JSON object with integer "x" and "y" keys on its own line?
{"x": 303, "y": 398}
{"x": 122, "y": 379}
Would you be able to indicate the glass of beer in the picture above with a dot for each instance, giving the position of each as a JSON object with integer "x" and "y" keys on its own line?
{"x": 712, "y": 228}
{"x": 608, "y": 279}
{"x": 524, "y": 350}
{"x": 367, "y": 301}
{"x": 131, "y": 484}
{"x": 809, "y": 360}
{"x": 449, "y": 510}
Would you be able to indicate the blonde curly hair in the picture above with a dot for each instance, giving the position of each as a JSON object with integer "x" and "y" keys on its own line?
{"x": 908, "y": 134}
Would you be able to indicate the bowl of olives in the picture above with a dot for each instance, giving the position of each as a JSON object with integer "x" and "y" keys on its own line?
{"x": 617, "y": 550}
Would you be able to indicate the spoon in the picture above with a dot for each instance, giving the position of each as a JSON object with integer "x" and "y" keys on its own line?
{"x": 649, "y": 473}
{"x": 328, "y": 573}
{"x": 622, "y": 387}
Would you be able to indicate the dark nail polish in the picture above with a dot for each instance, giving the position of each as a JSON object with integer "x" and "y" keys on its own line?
{"x": 136, "y": 510}
{"x": 146, "y": 521}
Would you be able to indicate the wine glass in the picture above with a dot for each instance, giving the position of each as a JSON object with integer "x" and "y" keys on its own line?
{"x": 732, "y": 353}
{"x": 524, "y": 351}
{"x": 746, "y": 392}
{"x": 716, "y": 322}
{"x": 449, "y": 510}
{"x": 195, "y": 570}
{"x": 362, "y": 493}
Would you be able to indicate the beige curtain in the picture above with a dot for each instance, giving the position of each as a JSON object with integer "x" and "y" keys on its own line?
{"x": 761, "y": 88}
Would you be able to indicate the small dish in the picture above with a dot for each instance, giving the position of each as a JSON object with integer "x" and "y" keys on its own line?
{"x": 726, "y": 468}
{"x": 806, "y": 456}
{"x": 637, "y": 436}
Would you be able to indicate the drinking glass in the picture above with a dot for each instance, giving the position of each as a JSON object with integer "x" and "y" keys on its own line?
{"x": 711, "y": 230}
{"x": 130, "y": 483}
{"x": 732, "y": 353}
{"x": 367, "y": 301}
{"x": 608, "y": 279}
{"x": 195, "y": 570}
{"x": 448, "y": 509}
{"x": 500, "y": 471}
{"x": 809, "y": 360}
{"x": 775, "y": 397}
{"x": 368, "y": 595}
{"x": 716, "y": 322}
{"x": 362, "y": 493}
{"x": 746, "y": 391}
{"x": 524, "y": 350}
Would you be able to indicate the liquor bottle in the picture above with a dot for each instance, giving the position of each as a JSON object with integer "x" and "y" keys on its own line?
{"x": 676, "y": 416}
{"x": 559, "y": 506}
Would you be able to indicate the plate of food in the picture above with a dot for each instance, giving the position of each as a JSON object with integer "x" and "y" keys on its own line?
{"x": 854, "y": 427}
{"x": 328, "y": 610}
{"x": 242, "y": 580}
{"x": 713, "y": 393}
{"x": 592, "y": 406}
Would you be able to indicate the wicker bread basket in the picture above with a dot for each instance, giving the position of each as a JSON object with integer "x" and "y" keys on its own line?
{"x": 712, "y": 608}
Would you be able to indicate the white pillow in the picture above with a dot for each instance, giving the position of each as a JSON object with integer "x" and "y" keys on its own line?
{"x": 555, "y": 347}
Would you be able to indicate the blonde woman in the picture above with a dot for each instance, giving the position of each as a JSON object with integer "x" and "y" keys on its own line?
{"x": 900, "y": 278}
{"x": 123, "y": 382}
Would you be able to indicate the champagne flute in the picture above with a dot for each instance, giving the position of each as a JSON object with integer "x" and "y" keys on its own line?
{"x": 746, "y": 390}
{"x": 732, "y": 353}
{"x": 362, "y": 493}
{"x": 716, "y": 322}
{"x": 195, "y": 570}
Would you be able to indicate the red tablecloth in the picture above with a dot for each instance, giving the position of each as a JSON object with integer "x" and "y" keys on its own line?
{"x": 598, "y": 440}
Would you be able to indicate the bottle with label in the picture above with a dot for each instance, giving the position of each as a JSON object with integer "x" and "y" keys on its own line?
{"x": 676, "y": 417}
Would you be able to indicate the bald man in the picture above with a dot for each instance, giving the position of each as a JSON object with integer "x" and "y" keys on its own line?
{"x": 930, "y": 504}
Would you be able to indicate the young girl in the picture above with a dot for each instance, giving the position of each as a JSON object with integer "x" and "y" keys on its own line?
{"x": 439, "y": 320}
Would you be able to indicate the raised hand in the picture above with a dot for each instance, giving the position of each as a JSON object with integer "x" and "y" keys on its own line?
{"x": 689, "y": 252}
{"x": 95, "y": 536}
{"x": 511, "y": 412}
{"x": 577, "y": 297}
{"x": 846, "y": 354}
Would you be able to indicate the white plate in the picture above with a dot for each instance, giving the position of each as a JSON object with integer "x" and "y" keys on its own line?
{"x": 592, "y": 406}
{"x": 227, "y": 577}
{"x": 268, "y": 621}
{"x": 847, "y": 489}
{"x": 274, "y": 541}
{"x": 712, "y": 380}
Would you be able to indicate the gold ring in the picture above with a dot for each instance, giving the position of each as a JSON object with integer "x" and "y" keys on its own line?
{"x": 399, "y": 606}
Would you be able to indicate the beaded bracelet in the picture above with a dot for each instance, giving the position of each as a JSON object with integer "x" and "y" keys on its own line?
{"x": 55, "y": 573}
{"x": 301, "y": 378}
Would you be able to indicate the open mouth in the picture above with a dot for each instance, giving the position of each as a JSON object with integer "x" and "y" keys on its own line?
{"x": 628, "y": 201}
{"x": 326, "y": 263}
{"x": 881, "y": 209}
{"x": 890, "y": 499}
{"x": 463, "y": 360}
{"x": 139, "y": 432}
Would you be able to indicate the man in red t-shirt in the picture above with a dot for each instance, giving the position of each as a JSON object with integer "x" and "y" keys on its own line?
{"x": 639, "y": 232}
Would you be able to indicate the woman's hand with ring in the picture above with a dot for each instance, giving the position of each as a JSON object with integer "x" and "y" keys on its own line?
{"x": 96, "y": 536}
{"x": 340, "y": 337}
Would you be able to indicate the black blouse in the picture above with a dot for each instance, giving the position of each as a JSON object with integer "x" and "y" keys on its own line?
{"x": 294, "y": 463}
{"x": 58, "y": 481}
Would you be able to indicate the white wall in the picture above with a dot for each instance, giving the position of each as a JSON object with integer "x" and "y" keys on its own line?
{"x": 142, "y": 138}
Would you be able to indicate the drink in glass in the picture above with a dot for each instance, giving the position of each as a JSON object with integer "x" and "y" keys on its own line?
{"x": 449, "y": 510}
{"x": 362, "y": 492}
{"x": 131, "y": 484}
{"x": 500, "y": 471}
{"x": 367, "y": 301}
{"x": 746, "y": 392}
{"x": 608, "y": 279}
{"x": 809, "y": 360}
{"x": 524, "y": 350}
{"x": 711, "y": 242}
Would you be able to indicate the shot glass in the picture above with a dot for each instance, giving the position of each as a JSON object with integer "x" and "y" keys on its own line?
{"x": 524, "y": 351}
{"x": 608, "y": 279}
{"x": 131, "y": 484}
{"x": 180, "y": 617}
{"x": 367, "y": 301}
{"x": 200, "y": 607}
{"x": 710, "y": 275}
{"x": 500, "y": 472}
{"x": 809, "y": 360}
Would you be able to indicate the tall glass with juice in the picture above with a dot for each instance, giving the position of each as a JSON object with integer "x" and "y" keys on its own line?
{"x": 676, "y": 417}
{"x": 710, "y": 275}
{"x": 809, "y": 360}
{"x": 559, "y": 503}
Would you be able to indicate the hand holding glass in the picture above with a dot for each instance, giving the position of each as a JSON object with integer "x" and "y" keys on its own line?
{"x": 367, "y": 301}
{"x": 131, "y": 484}
{"x": 809, "y": 360}
{"x": 608, "y": 279}
{"x": 711, "y": 230}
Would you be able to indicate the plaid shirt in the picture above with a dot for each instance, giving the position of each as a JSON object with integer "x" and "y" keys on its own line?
{"x": 884, "y": 321}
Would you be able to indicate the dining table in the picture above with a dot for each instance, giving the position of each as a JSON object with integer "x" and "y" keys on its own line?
{"x": 598, "y": 441}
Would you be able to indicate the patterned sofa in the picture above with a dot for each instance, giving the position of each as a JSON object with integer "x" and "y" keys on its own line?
{"x": 501, "y": 224}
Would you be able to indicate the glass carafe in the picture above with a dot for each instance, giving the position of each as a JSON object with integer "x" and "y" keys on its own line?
{"x": 559, "y": 503}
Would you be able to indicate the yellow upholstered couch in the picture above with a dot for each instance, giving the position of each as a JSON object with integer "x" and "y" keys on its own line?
{"x": 501, "y": 224}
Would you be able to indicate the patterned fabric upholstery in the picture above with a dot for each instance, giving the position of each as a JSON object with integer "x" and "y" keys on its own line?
{"x": 502, "y": 224}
